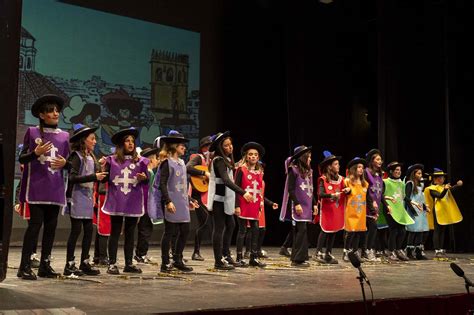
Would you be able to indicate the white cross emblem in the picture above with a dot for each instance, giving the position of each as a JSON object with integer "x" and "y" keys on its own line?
{"x": 126, "y": 181}
{"x": 397, "y": 195}
{"x": 307, "y": 184}
{"x": 358, "y": 203}
{"x": 48, "y": 158}
{"x": 377, "y": 188}
{"x": 181, "y": 187}
{"x": 254, "y": 190}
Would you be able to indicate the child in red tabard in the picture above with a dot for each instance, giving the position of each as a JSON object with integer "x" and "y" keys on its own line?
{"x": 249, "y": 176}
{"x": 332, "y": 195}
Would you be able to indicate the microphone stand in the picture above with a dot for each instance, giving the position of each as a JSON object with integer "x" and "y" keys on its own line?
{"x": 469, "y": 298}
{"x": 361, "y": 281}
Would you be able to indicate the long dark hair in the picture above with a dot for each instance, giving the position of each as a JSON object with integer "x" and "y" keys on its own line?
{"x": 302, "y": 164}
{"x": 415, "y": 181}
{"x": 327, "y": 173}
{"x": 80, "y": 147}
{"x": 220, "y": 152}
{"x": 120, "y": 150}
{"x": 370, "y": 167}
{"x": 352, "y": 173}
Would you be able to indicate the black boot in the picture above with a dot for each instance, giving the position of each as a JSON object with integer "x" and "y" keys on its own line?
{"x": 254, "y": 262}
{"x": 411, "y": 252}
{"x": 284, "y": 252}
{"x": 112, "y": 269}
{"x": 197, "y": 256}
{"x": 26, "y": 273}
{"x": 86, "y": 267}
{"x": 34, "y": 261}
{"x": 166, "y": 268}
{"x": 420, "y": 255}
{"x": 223, "y": 265}
{"x": 71, "y": 269}
{"x": 240, "y": 261}
{"x": 179, "y": 264}
{"x": 330, "y": 259}
{"x": 131, "y": 268}
{"x": 46, "y": 271}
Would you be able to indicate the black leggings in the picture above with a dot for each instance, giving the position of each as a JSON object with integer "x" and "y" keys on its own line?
{"x": 397, "y": 234}
{"x": 224, "y": 225}
{"x": 145, "y": 229}
{"x": 100, "y": 246}
{"x": 40, "y": 214}
{"x": 417, "y": 238}
{"x": 202, "y": 216}
{"x": 352, "y": 240}
{"x": 181, "y": 230}
{"x": 76, "y": 225}
{"x": 129, "y": 230}
{"x": 325, "y": 240}
{"x": 253, "y": 231}
{"x": 370, "y": 236}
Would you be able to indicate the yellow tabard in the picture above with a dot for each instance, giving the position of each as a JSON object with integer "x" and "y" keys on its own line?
{"x": 447, "y": 211}
{"x": 355, "y": 212}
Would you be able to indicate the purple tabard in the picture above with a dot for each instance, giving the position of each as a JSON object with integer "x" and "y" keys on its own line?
{"x": 178, "y": 192}
{"x": 374, "y": 190}
{"x": 82, "y": 202}
{"x": 42, "y": 184}
{"x": 125, "y": 194}
{"x": 304, "y": 194}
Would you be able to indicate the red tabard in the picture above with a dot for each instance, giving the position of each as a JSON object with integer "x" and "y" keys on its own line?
{"x": 252, "y": 182}
{"x": 332, "y": 210}
{"x": 101, "y": 220}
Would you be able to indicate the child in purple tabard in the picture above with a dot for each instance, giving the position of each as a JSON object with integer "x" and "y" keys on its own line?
{"x": 83, "y": 173}
{"x": 170, "y": 193}
{"x": 373, "y": 174}
{"x": 43, "y": 184}
{"x": 124, "y": 200}
{"x": 299, "y": 203}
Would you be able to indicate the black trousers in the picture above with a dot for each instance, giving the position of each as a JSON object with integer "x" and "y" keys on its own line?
{"x": 438, "y": 233}
{"x": 40, "y": 215}
{"x": 370, "y": 236}
{"x": 299, "y": 251}
{"x": 397, "y": 234}
{"x": 202, "y": 216}
{"x": 222, "y": 231}
{"x": 243, "y": 231}
{"x": 382, "y": 238}
{"x": 145, "y": 229}
{"x": 181, "y": 230}
{"x": 352, "y": 240}
{"x": 76, "y": 226}
{"x": 325, "y": 240}
{"x": 129, "y": 230}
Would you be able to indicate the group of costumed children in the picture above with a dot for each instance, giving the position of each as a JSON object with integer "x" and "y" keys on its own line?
{"x": 127, "y": 189}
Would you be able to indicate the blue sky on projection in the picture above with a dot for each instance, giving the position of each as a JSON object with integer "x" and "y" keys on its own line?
{"x": 104, "y": 66}
{"x": 81, "y": 42}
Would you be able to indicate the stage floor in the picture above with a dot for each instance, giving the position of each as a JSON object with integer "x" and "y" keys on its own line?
{"x": 207, "y": 289}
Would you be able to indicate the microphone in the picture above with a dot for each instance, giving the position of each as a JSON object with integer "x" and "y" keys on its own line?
{"x": 457, "y": 270}
{"x": 356, "y": 263}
